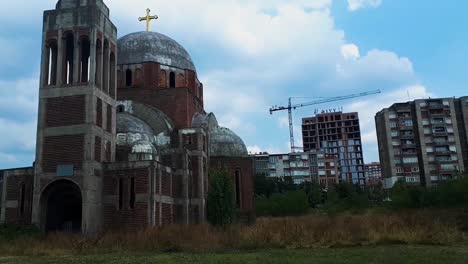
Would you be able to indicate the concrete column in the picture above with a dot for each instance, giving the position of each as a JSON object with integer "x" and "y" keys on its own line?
{"x": 45, "y": 64}
{"x": 76, "y": 57}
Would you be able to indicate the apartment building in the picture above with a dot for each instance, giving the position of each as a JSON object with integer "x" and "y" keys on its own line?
{"x": 337, "y": 134}
{"x": 302, "y": 167}
{"x": 373, "y": 172}
{"x": 422, "y": 142}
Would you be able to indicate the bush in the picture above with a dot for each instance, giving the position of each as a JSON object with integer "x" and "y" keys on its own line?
{"x": 12, "y": 232}
{"x": 287, "y": 204}
{"x": 220, "y": 199}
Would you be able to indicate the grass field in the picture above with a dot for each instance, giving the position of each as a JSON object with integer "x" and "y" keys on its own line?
{"x": 358, "y": 255}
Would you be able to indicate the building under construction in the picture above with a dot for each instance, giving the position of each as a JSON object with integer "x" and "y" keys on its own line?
{"x": 337, "y": 134}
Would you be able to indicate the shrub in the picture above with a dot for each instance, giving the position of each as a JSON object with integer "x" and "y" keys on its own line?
{"x": 287, "y": 204}
{"x": 12, "y": 232}
{"x": 220, "y": 199}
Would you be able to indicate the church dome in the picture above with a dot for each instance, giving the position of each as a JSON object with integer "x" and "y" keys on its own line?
{"x": 131, "y": 129}
{"x": 145, "y": 46}
{"x": 225, "y": 143}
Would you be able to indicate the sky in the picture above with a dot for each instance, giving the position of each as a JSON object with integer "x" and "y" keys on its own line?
{"x": 253, "y": 54}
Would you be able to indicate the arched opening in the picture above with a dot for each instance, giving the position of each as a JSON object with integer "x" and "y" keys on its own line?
{"x": 238, "y": 190}
{"x": 51, "y": 57}
{"x": 62, "y": 204}
{"x": 128, "y": 78}
{"x": 98, "y": 73}
{"x": 172, "y": 80}
{"x": 112, "y": 75}
{"x": 68, "y": 55}
{"x": 85, "y": 53}
{"x": 105, "y": 67}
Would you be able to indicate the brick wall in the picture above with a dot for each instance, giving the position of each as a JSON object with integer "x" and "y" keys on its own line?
{"x": 245, "y": 165}
{"x": 68, "y": 149}
{"x": 16, "y": 185}
{"x": 65, "y": 111}
{"x": 97, "y": 149}
{"x": 127, "y": 217}
{"x": 99, "y": 112}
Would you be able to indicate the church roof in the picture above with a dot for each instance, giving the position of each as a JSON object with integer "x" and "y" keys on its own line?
{"x": 145, "y": 46}
{"x": 225, "y": 143}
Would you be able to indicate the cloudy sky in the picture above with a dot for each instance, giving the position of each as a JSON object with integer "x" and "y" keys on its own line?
{"x": 252, "y": 54}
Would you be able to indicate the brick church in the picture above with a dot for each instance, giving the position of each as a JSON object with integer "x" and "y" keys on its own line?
{"x": 123, "y": 140}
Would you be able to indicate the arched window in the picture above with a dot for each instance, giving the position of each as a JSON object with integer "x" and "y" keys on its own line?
{"x": 105, "y": 67}
{"x": 51, "y": 57}
{"x": 120, "y": 109}
{"x": 112, "y": 75}
{"x": 238, "y": 183}
{"x": 172, "y": 80}
{"x": 98, "y": 73}
{"x": 121, "y": 188}
{"x": 128, "y": 78}
{"x": 85, "y": 52}
{"x": 69, "y": 48}
{"x": 132, "y": 193}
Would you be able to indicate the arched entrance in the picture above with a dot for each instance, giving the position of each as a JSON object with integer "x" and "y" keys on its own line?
{"x": 62, "y": 207}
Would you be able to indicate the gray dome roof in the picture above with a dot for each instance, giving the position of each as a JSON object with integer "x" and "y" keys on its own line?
{"x": 145, "y": 46}
{"x": 225, "y": 143}
{"x": 131, "y": 129}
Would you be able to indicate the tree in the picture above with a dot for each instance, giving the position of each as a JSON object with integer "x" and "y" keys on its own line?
{"x": 220, "y": 199}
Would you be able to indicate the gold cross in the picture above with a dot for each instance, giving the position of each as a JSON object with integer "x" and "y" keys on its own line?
{"x": 148, "y": 19}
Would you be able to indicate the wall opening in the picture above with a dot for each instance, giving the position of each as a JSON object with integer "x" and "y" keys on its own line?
{"x": 120, "y": 193}
{"x": 105, "y": 67}
{"x": 172, "y": 80}
{"x": 98, "y": 63}
{"x": 68, "y": 55}
{"x": 113, "y": 82}
{"x": 237, "y": 183}
{"x": 52, "y": 55}
{"x": 63, "y": 207}
{"x": 85, "y": 53}
{"x": 128, "y": 78}
{"x": 23, "y": 197}
{"x": 132, "y": 193}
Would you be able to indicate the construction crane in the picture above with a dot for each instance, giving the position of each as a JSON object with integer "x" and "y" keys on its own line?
{"x": 292, "y": 106}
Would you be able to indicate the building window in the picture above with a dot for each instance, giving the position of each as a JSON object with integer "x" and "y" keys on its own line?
{"x": 128, "y": 78}
{"x": 393, "y": 124}
{"x": 23, "y": 197}
{"x": 132, "y": 193}
{"x": 120, "y": 193}
{"x": 238, "y": 182}
{"x": 172, "y": 80}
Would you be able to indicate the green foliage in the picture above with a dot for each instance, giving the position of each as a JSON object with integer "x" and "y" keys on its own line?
{"x": 220, "y": 199}
{"x": 266, "y": 186}
{"x": 314, "y": 193}
{"x": 283, "y": 204}
{"x": 12, "y": 232}
{"x": 448, "y": 194}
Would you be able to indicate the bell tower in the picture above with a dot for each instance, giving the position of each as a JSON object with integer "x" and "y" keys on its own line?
{"x": 76, "y": 123}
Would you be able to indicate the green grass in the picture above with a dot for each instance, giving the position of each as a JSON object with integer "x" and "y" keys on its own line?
{"x": 358, "y": 255}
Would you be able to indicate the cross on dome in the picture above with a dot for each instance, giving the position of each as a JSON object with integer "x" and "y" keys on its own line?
{"x": 148, "y": 19}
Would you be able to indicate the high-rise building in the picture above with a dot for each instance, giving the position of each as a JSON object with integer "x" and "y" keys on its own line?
{"x": 373, "y": 173}
{"x": 337, "y": 134}
{"x": 422, "y": 142}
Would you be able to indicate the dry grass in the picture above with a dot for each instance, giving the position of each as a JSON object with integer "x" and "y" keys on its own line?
{"x": 316, "y": 231}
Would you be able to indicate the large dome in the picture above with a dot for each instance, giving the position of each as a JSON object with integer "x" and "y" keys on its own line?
{"x": 145, "y": 46}
{"x": 225, "y": 143}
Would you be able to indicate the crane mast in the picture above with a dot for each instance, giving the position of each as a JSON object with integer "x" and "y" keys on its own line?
{"x": 292, "y": 107}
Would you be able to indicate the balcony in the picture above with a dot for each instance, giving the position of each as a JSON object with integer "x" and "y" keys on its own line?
{"x": 441, "y": 143}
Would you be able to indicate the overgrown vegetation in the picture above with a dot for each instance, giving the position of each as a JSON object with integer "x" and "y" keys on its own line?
{"x": 313, "y": 231}
{"x": 220, "y": 199}
{"x": 346, "y": 197}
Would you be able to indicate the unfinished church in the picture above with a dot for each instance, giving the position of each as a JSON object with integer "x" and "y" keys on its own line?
{"x": 123, "y": 140}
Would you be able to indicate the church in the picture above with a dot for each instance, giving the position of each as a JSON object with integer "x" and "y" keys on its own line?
{"x": 123, "y": 140}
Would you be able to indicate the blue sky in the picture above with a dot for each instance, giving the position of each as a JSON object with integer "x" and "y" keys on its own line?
{"x": 252, "y": 54}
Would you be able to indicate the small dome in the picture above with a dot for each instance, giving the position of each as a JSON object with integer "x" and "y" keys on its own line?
{"x": 142, "y": 47}
{"x": 143, "y": 147}
{"x": 206, "y": 121}
{"x": 225, "y": 143}
{"x": 131, "y": 129}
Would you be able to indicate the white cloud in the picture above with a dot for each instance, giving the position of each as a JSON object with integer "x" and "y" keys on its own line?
{"x": 354, "y": 5}
{"x": 350, "y": 52}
